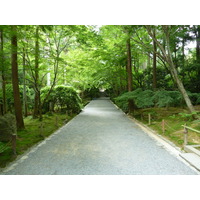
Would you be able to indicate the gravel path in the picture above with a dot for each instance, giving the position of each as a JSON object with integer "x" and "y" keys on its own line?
{"x": 100, "y": 140}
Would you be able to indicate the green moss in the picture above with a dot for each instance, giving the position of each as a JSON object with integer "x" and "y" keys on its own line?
{"x": 33, "y": 134}
{"x": 173, "y": 123}
{"x": 198, "y": 148}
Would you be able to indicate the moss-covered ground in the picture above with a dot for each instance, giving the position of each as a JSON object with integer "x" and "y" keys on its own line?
{"x": 173, "y": 118}
{"x": 34, "y": 132}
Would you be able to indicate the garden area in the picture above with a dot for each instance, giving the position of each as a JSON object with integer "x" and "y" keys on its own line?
{"x": 48, "y": 73}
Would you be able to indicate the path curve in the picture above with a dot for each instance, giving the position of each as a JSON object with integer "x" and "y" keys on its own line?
{"x": 101, "y": 140}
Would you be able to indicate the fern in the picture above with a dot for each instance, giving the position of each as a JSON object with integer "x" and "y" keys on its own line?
{"x": 3, "y": 147}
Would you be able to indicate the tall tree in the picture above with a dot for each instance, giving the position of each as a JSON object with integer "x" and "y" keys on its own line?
{"x": 15, "y": 81}
{"x": 197, "y": 35}
{"x": 167, "y": 56}
{"x": 154, "y": 61}
{"x": 24, "y": 85}
{"x": 129, "y": 69}
{"x": 36, "y": 77}
{"x": 2, "y": 68}
{"x": 129, "y": 66}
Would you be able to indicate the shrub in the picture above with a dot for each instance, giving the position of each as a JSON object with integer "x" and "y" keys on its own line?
{"x": 162, "y": 99}
{"x": 198, "y": 100}
{"x": 194, "y": 97}
{"x": 91, "y": 93}
{"x": 63, "y": 97}
{"x": 149, "y": 98}
{"x": 3, "y": 147}
{"x": 9, "y": 96}
{"x": 142, "y": 99}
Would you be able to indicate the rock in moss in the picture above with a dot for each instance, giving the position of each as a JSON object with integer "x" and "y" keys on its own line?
{"x": 7, "y": 127}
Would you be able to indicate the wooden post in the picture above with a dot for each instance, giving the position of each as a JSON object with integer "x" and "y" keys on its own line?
{"x": 163, "y": 126}
{"x": 185, "y": 135}
{"x": 42, "y": 129}
{"x": 149, "y": 118}
{"x": 56, "y": 123}
{"x": 14, "y": 137}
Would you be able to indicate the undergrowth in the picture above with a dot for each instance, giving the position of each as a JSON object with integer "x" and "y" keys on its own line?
{"x": 173, "y": 118}
{"x": 35, "y": 132}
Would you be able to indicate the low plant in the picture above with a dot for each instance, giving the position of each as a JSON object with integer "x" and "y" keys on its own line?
{"x": 149, "y": 98}
{"x": 63, "y": 98}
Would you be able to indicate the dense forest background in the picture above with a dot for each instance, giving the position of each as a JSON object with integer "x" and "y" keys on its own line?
{"x": 50, "y": 68}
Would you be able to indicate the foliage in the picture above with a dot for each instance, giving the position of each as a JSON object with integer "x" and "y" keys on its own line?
{"x": 3, "y": 147}
{"x": 10, "y": 100}
{"x": 195, "y": 97}
{"x": 165, "y": 98}
{"x": 33, "y": 134}
{"x": 63, "y": 98}
{"x": 91, "y": 93}
{"x": 188, "y": 116}
{"x": 173, "y": 123}
{"x": 142, "y": 99}
{"x": 149, "y": 98}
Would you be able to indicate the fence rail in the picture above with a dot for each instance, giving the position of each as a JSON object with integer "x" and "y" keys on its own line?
{"x": 165, "y": 126}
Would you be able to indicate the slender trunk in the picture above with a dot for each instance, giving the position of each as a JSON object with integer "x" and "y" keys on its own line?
{"x": 168, "y": 57}
{"x": 181, "y": 88}
{"x": 4, "y": 108}
{"x": 37, "y": 96}
{"x": 176, "y": 78}
{"x": 15, "y": 81}
{"x": 198, "y": 44}
{"x": 154, "y": 62}
{"x": 129, "y": 66}
{"x": 24, "y": 86}
{"x": 120, "y": 79}
{"x": 198, "y": 57}
{"x": 148, "y": 61}
{"x": 1, "y": 68}
{"x": 129, "y": 74}
{"x": 175, "y": 57}
{"x": 183, "y": 58}
{"x": 36, "y": 104}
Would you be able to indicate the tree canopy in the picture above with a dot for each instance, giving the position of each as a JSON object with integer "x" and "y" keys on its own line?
{"x": 116, "y": 58}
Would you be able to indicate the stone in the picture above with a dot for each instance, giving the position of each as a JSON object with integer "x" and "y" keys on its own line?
{"x": 7, "y": 127}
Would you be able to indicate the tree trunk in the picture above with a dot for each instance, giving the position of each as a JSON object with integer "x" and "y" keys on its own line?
{"x": 37, "y": 92}
{"x": 129, "y": 67}
{"x": 24, "y": 86}
{"x": 168, "y": 57}
{"x": 183, "y": 58}
{"x": 154, "y": 62}
{"x": 176, "y": 78}
{"x": 15, "y": 82}
{"x": 129, "y": 74}
{"x": 181, "y": 88}
{"x": 4, "y": 107}
{"x": 198, "y": 54}
{"x": 148, "y": 61}
{"x": 198, "y": 44}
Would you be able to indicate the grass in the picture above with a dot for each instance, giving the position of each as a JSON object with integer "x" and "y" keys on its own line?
{"x": 33, "y": 133}
{"x": 174, "y": 118}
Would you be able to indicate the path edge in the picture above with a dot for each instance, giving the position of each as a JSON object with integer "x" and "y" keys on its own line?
{"x": 166, "y": 144}
{"x": 22, "y": 157}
